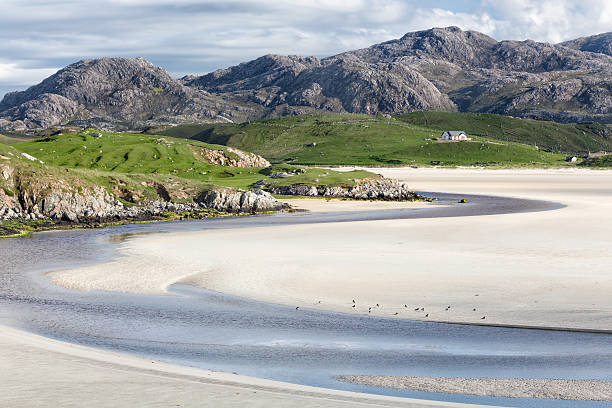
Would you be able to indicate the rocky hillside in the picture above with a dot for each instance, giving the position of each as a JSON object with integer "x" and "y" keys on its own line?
{"x": 443, "y": 69}
{"x": 115, "y": 93}
{"x": 439, "y": 69}
{"x": 601, "y": 43}
{"x": 30, "y": 190}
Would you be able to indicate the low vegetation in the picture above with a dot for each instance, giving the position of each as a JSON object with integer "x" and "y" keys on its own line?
{"x": 602, "y": 161}
{"x": 139, "y": 159}
{"x": 363, "y": 140}
{"x": 547, "y": 135}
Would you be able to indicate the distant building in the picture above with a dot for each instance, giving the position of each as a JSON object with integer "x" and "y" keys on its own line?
{"x": 597, "y": 154}
{"x": 571, "y": 159}
{"x": 454, "y": 136}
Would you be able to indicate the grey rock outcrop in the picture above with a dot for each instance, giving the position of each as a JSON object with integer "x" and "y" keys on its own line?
{"x": 119, "y": 92}
{"x": 224, "y": 199}
{"x": 601, "y": 43}
{"x": 28, "y": 196}
{"x": 370, "y": 189}
{"x": 438, "y": 69}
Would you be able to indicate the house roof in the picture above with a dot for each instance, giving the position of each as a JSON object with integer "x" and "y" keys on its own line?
{"x": 455, "y": 132}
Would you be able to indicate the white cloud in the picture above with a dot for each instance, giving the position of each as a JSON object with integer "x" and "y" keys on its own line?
{"x": 197, "y": 36}
{"x": 11, "y": 73}
{"x": 550, "y": 20}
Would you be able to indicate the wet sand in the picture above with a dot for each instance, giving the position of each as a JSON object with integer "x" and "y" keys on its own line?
{"x": 40, "y": 372}
{"x": 542, "y": 269}
{"x": 590, "y": 390}
{"x": 339, "y": 205}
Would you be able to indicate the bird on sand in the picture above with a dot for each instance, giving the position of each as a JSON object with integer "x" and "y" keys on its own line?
{"x": 395, "y": 314}
{"x": 483, "y": 317}
{"x": 427, "y": 315}
{"x": 297, "y": 308}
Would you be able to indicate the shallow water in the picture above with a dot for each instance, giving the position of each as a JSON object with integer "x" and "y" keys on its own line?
{"x": 214, "y": 331}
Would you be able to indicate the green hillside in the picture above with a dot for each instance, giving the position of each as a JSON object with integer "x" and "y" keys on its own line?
{"x": 361, "y": 140}
{"x": 12, "y": 139}
{"x": 551, "y": 136}
{"x": 603, "y": 161}
{"x": 104, "y": 155}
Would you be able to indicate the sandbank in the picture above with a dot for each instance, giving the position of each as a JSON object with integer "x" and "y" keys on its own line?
{"x": 542, "y": 269}
{"x": 340, "y": 205}
{"x": 40, "y": 372}
{"x": 590, "y": 390}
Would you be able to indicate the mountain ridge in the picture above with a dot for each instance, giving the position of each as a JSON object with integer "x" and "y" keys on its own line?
{"x": 440, "y": 69}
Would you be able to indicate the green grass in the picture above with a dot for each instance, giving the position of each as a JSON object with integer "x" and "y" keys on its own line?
{"x": 602, "y": 161}
{"x": 12, "y": 139}
{"x": 137, "y": 161}
{"x": 551, "y": 136}
{"x": 361, "y": 140}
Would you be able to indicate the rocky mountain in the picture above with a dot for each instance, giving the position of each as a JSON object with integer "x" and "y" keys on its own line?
{"x": 444, "y": 69}
{"x": 438, "y": 69}
{"x": 116, "y": 93}
{"x": 601, "y": 43}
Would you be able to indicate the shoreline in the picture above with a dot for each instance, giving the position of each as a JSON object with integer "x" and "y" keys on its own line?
{"x": 540, "y": 388}
{"x": 26, "y": 229}
{"x": 33, "y": 360}
{"x": 325, "y": 266}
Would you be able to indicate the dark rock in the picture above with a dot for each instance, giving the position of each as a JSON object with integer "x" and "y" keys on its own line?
{"x": 371, "y": 189}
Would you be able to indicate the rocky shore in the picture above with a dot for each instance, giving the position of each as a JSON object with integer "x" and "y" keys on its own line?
{"x": 64, "y": 206}
{"x": 370, "y": 189}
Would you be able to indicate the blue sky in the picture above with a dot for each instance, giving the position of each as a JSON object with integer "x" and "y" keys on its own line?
{"x": 37, "y": 37}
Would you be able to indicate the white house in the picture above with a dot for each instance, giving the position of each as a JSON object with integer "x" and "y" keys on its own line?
{"x": 454, "y": 135}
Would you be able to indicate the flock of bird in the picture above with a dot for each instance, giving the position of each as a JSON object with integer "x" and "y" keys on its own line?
{"x": 416, "y": 309}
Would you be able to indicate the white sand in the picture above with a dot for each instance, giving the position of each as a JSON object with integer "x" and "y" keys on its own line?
{"x": 39, "y": 372}
{"x": 338, "y": 205}
{"x": 542, "y": 269}
{"x": 591, "y": 390}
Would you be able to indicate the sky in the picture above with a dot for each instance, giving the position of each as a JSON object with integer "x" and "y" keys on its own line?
{"x": 38, "y": 37}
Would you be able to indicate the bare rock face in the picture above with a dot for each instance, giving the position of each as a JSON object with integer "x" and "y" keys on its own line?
{"x": 29, "y": 197}
{"x": 344, "y": 83}
{"x": 225, "y": 199}
{"x": 601, "y": 43}
{"x": 438, "y": 69}
{"x": 369, "y": 189}
{"x": 230, "y": 157}
{"x": 27, "y": 193}
{"x": 131, "y": 92}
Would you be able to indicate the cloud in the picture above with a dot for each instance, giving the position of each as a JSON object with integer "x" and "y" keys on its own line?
{"x": 550, "y": 20}
{"x": 197, "y": 36}
{"x": 13, "y": 74}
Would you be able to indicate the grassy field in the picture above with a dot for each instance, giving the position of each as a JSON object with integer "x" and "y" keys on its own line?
{"x": 12, "y": 139}
{"x": 551, "y": 136}
{"x": 603, "y": 161}
{"x": 362, "y": 140}
{"x": 137, "y": 159}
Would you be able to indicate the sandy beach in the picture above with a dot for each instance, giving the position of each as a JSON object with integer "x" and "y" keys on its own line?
{"x": 339, "y": 205}
{"x": 499, "y": 387}
{"x": 40, "y": 372}
{"x": 543, "y": 269}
